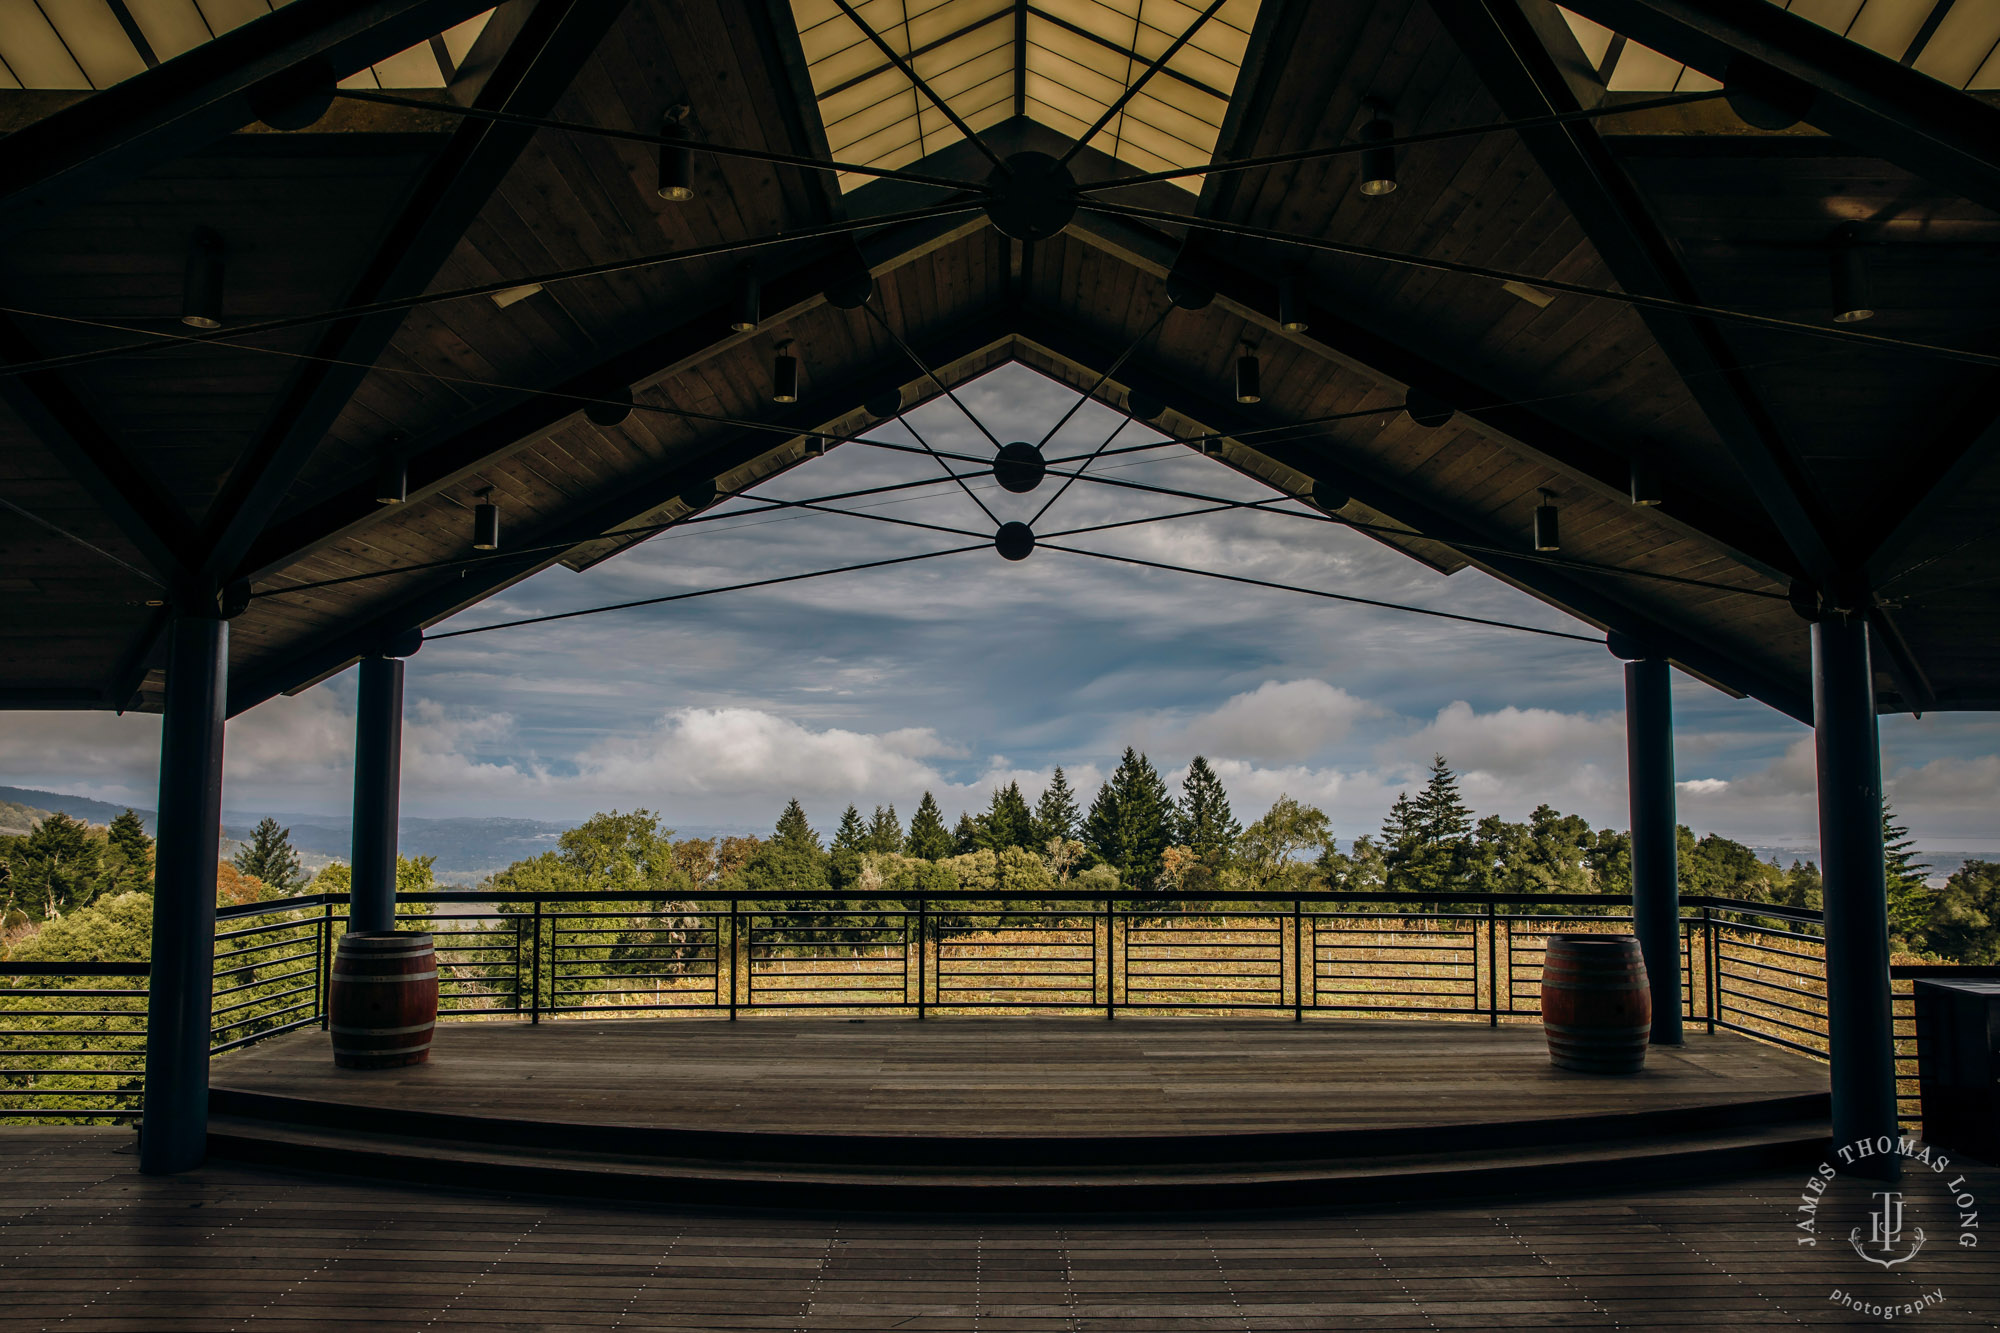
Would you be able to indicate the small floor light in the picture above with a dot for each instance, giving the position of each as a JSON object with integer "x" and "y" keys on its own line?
{"x": 1291, "y": 305}
{"x": 676, "y": 159}
{"x": 392, "y": 480}
{"x": 485, "y": 521}
{"x": 1645, "y": 488}
{"x": 1378, "y": 165}
{"x": 784, "y": 375}
{"x": 749, "y": 303}
{"x": 1848, "y": 274}
{"x": 201, "y": 289}
{"x": 1249, "y": 379}
{"x": 1547, "y": 538}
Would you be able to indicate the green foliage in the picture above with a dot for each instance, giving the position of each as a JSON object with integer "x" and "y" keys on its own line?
{"x": 54, "y": 869}
{"x": 852, "y": 835}
{"x": 885, "y": 831}
{"x": 128, "y": 857}
{"x": 1910, "y": 898}
{"x": 114, "y": 929}
{"x": 1131, "y": 822}
{"x": 1427, "y": 842}
{"x": 1204, "y": 823}
{"x": 793, "y": 830}
{"x": 1964, "y": 921}
{"x": 1056, "y": 815}
{"x": 270, "y": 856}
{"x": 964, "y": 835}
{"x": 929, "y": 839}
{"x": 1270, "y": 849}
{"x": 1007, "y": 822}
{"x": 1361, "y": 869}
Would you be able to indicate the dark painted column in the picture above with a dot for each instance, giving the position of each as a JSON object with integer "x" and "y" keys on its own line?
{"x": 1656, "y": 893}
{"x": 1857, "y": 915}
{"x": 174, "y": 1132}
{"x": 378, "y": 791}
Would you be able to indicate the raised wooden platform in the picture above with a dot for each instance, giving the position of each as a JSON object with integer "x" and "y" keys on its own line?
{"x": 1016, "y": 1114}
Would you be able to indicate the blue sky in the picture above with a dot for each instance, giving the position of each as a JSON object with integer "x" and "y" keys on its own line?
{"x": 961, "y": 672}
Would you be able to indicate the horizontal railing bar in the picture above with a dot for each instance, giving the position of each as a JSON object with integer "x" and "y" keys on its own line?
{"x": 239, "y": 1042}
{"x": 66, "y": 969}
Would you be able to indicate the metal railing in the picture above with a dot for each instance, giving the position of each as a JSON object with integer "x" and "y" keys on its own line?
{"x": 72, "y": 1046}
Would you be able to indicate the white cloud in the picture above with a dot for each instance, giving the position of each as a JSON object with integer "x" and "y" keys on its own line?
{"x": 1276, "y": 722}
{"x": 727, "y": 751}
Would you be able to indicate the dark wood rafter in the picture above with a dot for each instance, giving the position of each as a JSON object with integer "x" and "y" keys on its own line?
{"x": 199, "y": 96}
{"x": 1607, "y": 608}
{"x": 1936, "y": 479}
{"x": 448, "y": 594}
{"x": 129, "y": 496}
{"x": 1342, "y": 335}
{"x": 538, "y": 67}
{"x": 1868, "y": 99}
{"x": 1522, "y": 78}
{"x": 440, "y": 463}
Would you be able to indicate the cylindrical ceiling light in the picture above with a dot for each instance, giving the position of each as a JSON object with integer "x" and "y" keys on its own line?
{"x": 485, "y": 521}
{"x": 1378, "y": 164}
{"x": 392, "y": 480}
{"x": 1645, "y": 489}
{"x": 749, "y": 303}
{"x": 1249, "y": 379}
{"x": 676, "y": 159}
{"x": 1848, "y": 276}
{"x": 201, "y": 287}
{"x": 1547, "y": 536}
{"x": 784, "y": 375}
{"x": 1291, "y": 305}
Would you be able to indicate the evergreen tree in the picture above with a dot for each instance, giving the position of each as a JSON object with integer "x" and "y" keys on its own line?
{"x": 1206, "y": 825}
{"x": 128, "y": 856}
{"x": 966, "y": 836}
{"x": 270, "y": 856}
{"x": 1427, "y": 843}
{"x": 1007, "y": 821}
{"x": 793, "y": 830}
{"x": 1056, "y": 815}
{"x": 852, "y": 835}
{"x": 1402, "y": 843}
{"x": 1444, "y": 818}
{"x": 55, "y": 868}
{"x": 1964, "y": 925}
{"x": 885, "y": 831}
{"x": 1910, "y": 898}
{"x": 1131, "y": 820}
{"x": 929, "y": 839}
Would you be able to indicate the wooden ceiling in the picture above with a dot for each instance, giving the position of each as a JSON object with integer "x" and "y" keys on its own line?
{"x": 1794, "y": 468}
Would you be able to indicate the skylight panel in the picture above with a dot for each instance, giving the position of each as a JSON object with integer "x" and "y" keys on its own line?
{"x": 1078, "y": 58}
{"x": 82, "y": 45}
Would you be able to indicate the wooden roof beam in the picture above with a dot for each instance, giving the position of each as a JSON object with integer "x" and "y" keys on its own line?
{"x": 1866, "y": 98}
{"x": 53, "y": 164}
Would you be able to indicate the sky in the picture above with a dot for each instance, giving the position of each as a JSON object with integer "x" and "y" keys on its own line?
{"x": 964, "y": 672}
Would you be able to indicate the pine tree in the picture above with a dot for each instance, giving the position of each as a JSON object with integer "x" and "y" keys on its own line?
{"x": 55, "y": 868}
{"x": 269, "y": 856}
{"x": 1007, "y": 821}
{"x": 1431, "y": 850}
{"x": 128, "y": 859}
{"x": 1910, "y": 898}
{"x": 1130, "y": 821}
{"x": 852, "y": 835}
{"x": 1056, "y": 815}
{"x": 929, "y": 838}
{"x": 966, "y": 835}
{"x": 793, "y": 830}
{"x": 1401, "y": 844}
{"x": 885, "y": 831}
{"x": 1444, "y": 818}
{"x": 1206, "y": 825}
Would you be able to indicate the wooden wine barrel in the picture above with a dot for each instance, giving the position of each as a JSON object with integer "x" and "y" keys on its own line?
{"x": 382, "y": 1006}
{"x": 1597, "y": 1006}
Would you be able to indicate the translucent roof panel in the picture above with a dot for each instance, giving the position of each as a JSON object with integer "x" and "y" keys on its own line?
{"x": 91, "y": 44}
{"x": 1061, "y": 62}
{"x": 1954, "y": 41}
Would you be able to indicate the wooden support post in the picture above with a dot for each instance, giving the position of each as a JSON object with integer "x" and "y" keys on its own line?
{"x": 1656, "y": 899}
{"x": 378, "y": 784}
{"x": 174, "y": 1133}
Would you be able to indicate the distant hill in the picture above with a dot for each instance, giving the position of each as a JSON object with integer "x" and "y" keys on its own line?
{"x": 76, "y": 807}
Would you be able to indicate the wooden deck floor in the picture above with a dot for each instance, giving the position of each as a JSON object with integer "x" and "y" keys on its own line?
{"x": 87, "y": 1244}
{"x": 1014, "y": 1076}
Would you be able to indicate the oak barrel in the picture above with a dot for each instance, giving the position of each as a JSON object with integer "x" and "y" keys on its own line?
{"x": 382, "y": 1006}
{"x": 1597, "y": 1005}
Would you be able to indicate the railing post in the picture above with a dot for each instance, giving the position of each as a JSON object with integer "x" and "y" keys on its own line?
{"x": 923, "y": 934}
{"x": 733, "y": 946}
{"x": 322, "y": 961}
{"x": 520, "y": 957}
{"x": 1712, "y": 965}
{"x": 1298, "y": 961}
{"x": 535, "y": 969}
{"x": 1110, "y": 959}
{"x": 1492, "y": 966}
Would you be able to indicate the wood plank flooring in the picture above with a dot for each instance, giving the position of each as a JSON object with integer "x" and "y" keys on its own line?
{"x": 87, "y": 1244}
{"x": 963, "y": 1076}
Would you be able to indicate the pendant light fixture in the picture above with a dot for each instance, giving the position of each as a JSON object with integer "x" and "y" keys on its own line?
{"x": 784, "y": 375}
{"x": 749, "y": 302}
{"x": 485, "y": 521}
{"x": 201, "y": 288}
{"x": 1645, "y": 487}
{"x": 1378, "y": 164}
{"x": 676, "y": 158}
{"x": 392, "y": 477}
{"x": 1848, "y": 277}
{"x": 1547, "y": 537}
{"x": 610, "y": 408}
{"x": 1249, "y": 379}
{"x": 1291, "y": 305}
